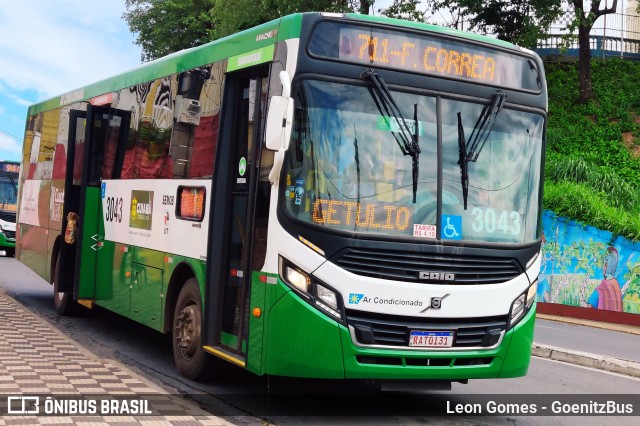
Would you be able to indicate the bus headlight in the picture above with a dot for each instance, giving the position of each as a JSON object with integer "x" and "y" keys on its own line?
{"x": 294, "y": 277}
{"x": 521, "y": 305}
{"x": 318, "y": 294}
{"x": 297, "y": 279}
{"x": 327, "y": 300}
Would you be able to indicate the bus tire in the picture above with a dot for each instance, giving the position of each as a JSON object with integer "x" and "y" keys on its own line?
{"x": 190, "y": 358}
{"x": 9, "y": 251}
{"x": 62, "y": 300}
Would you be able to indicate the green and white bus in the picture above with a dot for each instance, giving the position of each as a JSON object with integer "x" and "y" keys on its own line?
{"x": 323, "y": 196}
{"x": 9, "y": 173}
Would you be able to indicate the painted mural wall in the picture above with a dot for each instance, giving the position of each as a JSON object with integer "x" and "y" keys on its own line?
{"x": 587, "y": 267}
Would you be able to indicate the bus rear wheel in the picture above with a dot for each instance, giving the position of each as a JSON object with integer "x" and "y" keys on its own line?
{"x": 62, "y": 300}
{"x": 190, "y": 358}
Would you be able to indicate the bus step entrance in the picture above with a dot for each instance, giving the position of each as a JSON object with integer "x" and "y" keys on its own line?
{"x": 233, "y": 358}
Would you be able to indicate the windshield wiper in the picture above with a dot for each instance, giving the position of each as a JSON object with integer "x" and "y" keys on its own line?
{"x": 409, "y": 143}
{"x": 478, "y": 138}
{"x": 357, "y": 159}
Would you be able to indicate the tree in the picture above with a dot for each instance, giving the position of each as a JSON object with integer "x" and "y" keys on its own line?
{"x": 521, "y": 22}
{"x": 405, "y": 9}
{"x": 232, "y": 16}
{"x": 518, "y": 21}
{"x": 166, "y": 26}
{"x": 584, "y": 22}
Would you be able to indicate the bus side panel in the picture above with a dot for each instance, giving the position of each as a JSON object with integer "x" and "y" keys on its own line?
{"x": 146, "y": 295}
{"x": 146, "y": 287}
{"x": 148, "y": 257}
{"x": 256, "y": 324}
{"x": 302, "y": 342}
{"x": 32, "y": 233}
{"x": 57, "y": 205}
{"x": 34, "y": 249}
{"x": 113, "y": 282}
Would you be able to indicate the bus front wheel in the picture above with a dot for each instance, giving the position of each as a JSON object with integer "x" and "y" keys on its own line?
{"x": 62, "y": 300}
{"x": 190, "y": 358}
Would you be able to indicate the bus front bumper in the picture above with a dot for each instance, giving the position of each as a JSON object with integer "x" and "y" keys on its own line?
{"x": 4, "y": 242}
{"x": 303, "y": 342}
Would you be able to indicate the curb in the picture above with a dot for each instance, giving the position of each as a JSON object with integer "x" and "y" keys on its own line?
{"x": 585, "y": 359}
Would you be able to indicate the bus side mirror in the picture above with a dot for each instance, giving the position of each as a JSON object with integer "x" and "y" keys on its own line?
{"x": 279, "y": 124}
{"x": 279, "y": 120}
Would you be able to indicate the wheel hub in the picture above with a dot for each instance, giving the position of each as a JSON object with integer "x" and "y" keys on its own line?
{"x": 185, "y": 331}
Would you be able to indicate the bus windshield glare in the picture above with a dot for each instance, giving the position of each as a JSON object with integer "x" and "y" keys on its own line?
{"x": 346, "y": 171}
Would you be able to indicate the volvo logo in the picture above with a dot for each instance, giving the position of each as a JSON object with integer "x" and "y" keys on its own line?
{"x": 436, "y": 303}
{"x": 437, "y": 276}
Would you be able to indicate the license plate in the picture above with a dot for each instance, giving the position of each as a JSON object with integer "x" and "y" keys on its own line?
{"x": 431, "y": 339}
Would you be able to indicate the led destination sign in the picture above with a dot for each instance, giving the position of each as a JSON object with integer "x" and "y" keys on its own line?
{"x": 423, "y": 53}
{"x": 349, "y": 214}
{"x": 10, "y": 167}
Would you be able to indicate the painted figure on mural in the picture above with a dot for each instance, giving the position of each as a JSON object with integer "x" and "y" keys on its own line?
{"x": 631, "y": 290}
{"x": 608, "y": 295}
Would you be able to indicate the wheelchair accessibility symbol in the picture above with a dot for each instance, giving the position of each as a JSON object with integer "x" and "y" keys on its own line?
{"x": 451, "y": 227}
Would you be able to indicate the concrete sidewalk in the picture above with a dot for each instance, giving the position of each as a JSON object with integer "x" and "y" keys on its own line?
{"x": 38, "y": 360}
{"x": 604, "y": 346}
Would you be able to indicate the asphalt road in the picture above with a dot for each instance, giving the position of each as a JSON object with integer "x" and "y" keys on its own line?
{"x": 616, "y": 344}
{"x": 246, "y": 399}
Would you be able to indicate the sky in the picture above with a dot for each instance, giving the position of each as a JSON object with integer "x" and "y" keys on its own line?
{"x": 52, "y": 47}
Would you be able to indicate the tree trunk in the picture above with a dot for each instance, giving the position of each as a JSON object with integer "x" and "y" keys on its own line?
{"x": 364, "y": 6}
{"x": 584, "y": 65}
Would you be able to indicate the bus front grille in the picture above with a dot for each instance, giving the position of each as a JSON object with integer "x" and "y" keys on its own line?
{"x": 8, "y": 216}
{"x": 410, "y": 266}
{"x": 370, "y": 329}
{"x": 11, "y": 235}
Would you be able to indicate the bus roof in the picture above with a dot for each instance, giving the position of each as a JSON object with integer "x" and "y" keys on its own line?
{"x": 242, "y": 42}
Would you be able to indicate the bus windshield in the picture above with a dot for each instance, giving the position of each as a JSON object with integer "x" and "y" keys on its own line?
{"x": 8, "y": 196}
{"x": 346, "y": 170}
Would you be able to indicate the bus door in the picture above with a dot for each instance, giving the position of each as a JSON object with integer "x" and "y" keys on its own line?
{"x": 240, "y": 213}
{"x": 73, "y": 182}
{"x": 99, "y": 145}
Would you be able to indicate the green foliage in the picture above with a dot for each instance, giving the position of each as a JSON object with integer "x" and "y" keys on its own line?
{"x": 518, "y": 21}
{"x": 406, "y": 9}
{"x": 166, "y": 26}
{"x": 582, "y": 203}
{"x": 614, "y": 190}
{"x": 232, "y": 16}
{"x": 591, "y": 176}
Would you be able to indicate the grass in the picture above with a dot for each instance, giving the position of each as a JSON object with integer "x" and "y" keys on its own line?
{"x": 592, "y": 174}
